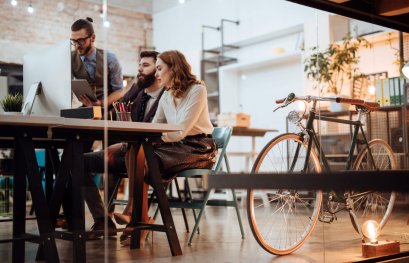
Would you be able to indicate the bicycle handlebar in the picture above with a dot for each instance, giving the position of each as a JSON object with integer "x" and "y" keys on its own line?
{"x": 370, "y": 106}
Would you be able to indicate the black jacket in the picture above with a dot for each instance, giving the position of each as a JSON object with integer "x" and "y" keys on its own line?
{"x": 134, "y": 95}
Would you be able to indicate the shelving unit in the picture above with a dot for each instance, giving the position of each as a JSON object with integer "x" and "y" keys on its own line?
{"x": 14, "y": 74}
{"x": 212, "y": 60}
{"x": 385, "y": 124}
{"x": 393, "y": 120}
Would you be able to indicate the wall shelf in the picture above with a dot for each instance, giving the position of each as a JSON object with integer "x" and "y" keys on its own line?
{"x": 14, "y": 74}
{"x": 276, "y": 60}
{"x": 212, "y": 60}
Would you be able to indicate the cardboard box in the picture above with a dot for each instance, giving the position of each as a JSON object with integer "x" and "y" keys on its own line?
{"x": 233, "y": 120}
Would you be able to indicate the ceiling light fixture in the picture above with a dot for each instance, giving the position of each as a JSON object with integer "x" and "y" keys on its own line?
{"x": 107, "y": 23}
{"x": 13, "y": 2}
{"x": 60, "y": 6}
{"x": 405, "y": 70}
{"x": 30, "y": 9}
{"x": 181, "y": 1}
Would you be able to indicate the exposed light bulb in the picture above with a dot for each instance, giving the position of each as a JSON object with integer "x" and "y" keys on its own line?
{"x": 181, "y": 1}
{"x": 372, "y": 89}
{"x": 405, "y": 70}
{"x": 302, "y": 106}
{"x": 370, "y": 229}
{"x": 30, "y": 9}
{"x": 60, "y": 7}
{"x": 107, "y": 23}
{"x": 13, "y": 2}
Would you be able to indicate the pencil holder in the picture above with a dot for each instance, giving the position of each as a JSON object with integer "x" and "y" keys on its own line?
{"x": 123, "y": 116}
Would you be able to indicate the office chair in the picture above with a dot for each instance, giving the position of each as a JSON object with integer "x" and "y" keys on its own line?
{"x": 221, "y": 135}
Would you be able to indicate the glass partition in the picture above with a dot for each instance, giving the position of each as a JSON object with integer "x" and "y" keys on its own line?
{"x": 250, "y": 55}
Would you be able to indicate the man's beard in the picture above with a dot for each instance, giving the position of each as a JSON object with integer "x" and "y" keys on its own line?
{"x": 85, "y": 50}
{"x": 146, "y": 81}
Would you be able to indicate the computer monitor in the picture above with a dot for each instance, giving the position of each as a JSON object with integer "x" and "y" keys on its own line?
{"x": 52, "y": 67}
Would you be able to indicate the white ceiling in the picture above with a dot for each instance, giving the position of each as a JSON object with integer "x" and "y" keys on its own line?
{"x": 145, "y": 6}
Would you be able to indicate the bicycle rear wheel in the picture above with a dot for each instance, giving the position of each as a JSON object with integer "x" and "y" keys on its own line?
{"x": 282, "y": 219}
{"x": 374, "y": 205}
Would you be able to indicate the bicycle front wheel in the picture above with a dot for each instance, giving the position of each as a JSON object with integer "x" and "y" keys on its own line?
{"x": 374, "y": 205}
{"x": 282, "y": 219}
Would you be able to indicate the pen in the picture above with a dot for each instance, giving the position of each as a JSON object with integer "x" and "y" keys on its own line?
{"x": 114, "y": 105}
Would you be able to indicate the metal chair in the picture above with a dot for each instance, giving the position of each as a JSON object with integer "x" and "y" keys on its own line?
{"x": 221, "y": 135}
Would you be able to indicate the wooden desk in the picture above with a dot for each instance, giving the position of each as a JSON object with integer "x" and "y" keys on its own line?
{"x": 25, "y": 131}
{"x": 253, "y": 133}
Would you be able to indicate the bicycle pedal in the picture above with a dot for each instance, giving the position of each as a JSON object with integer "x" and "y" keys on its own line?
{"x": 327, "y": 218}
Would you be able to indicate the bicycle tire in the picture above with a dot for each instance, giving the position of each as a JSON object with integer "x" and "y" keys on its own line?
{"x": 375, "y": 205}
{"x": 278, "y": 233}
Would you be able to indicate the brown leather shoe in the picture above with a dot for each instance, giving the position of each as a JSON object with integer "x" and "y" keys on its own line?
{"x": 61, "y": 223}
{"x": 99, "y": 226}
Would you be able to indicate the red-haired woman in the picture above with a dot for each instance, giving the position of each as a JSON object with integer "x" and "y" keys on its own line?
{"x": 184, "y": 102}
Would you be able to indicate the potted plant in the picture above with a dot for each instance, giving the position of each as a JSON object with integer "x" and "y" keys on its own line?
{"x": 335, "y": 66}
{"x": 12, "y": 102}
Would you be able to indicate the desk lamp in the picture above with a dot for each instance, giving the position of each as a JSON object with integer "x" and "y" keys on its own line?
{"x": 374, "y": 247}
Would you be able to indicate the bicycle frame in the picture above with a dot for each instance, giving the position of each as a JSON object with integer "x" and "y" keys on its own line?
{"x": 295, "y": 213}
{"x": 315, "y": 142}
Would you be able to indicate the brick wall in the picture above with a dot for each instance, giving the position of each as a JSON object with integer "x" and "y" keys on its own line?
{"x": 21, "y": 33}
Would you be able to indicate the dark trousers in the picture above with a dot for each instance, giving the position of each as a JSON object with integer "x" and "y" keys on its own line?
{"x": 93, "y": 164}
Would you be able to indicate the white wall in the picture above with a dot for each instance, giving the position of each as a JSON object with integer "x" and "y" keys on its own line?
{"x": 180, "y": 27}
{"x": 265, "y": 26}
{"x": 383, "y": 56}
{"x": 256, "y": 91}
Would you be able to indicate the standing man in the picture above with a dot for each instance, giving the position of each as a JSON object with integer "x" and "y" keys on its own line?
{"x": 87, "y": 63}
{"x": 144, "y": 97}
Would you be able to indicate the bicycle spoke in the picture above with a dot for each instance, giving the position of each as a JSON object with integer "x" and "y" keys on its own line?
{"x": 374, "y": 205}
{"x": 282, "y": 219}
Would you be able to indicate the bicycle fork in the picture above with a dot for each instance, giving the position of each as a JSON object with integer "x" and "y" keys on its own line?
{"x": 349, "y": 206}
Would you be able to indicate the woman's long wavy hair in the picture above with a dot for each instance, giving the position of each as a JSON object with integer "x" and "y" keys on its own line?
{"x": 182, "y": 77}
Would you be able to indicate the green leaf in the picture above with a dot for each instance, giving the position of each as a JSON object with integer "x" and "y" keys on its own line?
{"x": 12, "y": 102}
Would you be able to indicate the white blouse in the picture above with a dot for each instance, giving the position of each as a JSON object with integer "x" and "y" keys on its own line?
{"x": 190, "y": 111}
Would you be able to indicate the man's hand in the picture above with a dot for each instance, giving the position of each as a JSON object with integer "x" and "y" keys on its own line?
{"x": 87, "y": 102}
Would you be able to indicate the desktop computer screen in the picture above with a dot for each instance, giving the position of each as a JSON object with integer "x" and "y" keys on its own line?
{"x": 52, "y": 67}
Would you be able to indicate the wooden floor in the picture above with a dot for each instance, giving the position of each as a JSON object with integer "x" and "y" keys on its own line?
{"x": 220, "y": 241}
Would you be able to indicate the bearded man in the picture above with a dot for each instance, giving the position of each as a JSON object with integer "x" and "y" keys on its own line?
{"x": 87, "y": 62}
{"x": 142, "y": 98}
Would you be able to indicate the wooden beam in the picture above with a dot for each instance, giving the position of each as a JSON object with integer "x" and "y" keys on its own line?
{"x": 392, "y": 8}
{"x": 339, "y": 1}
{"x": 396, "y": 22}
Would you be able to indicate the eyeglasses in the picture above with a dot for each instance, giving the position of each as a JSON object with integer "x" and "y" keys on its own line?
{"x": 79, "y": 41}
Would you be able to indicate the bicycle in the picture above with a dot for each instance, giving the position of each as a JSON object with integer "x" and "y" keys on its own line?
{"x": 283, "y": 223}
